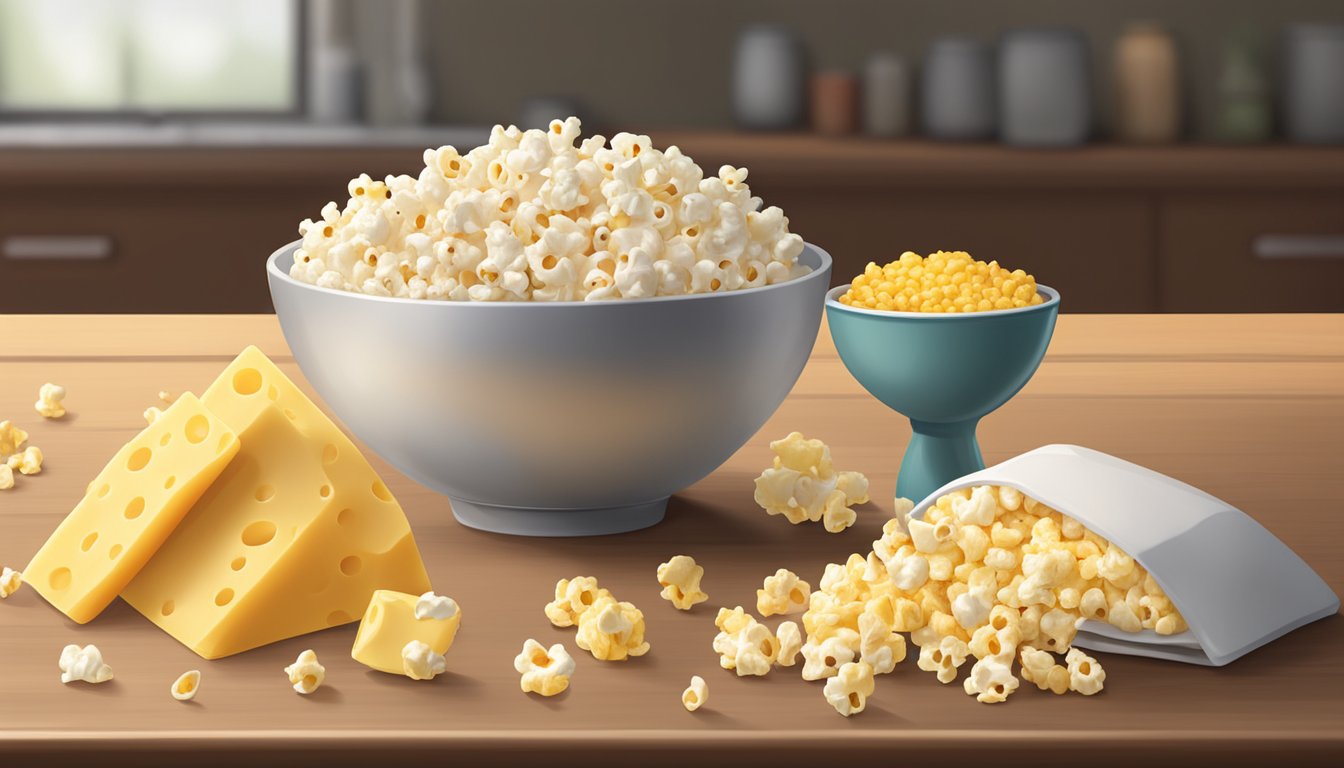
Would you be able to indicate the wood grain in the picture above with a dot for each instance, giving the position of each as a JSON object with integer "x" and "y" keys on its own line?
{"x": 1246, "y": 407}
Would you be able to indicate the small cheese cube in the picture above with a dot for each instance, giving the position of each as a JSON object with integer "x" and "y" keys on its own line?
{"x": 696, "y": 694}
{"x": 680, "y": 580}
{"x": 545, "y": 671}
{"x": 395, "y": 619}
{"x": 306, "y": 674}
{"x": 849, "y": 689}
{"x": 782, "y": 593}
{"x": 185, "y": 687}
{"x": 83, "y": 665}
{"x": 49, "y": 399}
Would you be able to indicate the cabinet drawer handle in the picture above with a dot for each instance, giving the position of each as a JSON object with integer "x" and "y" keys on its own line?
{"x": 57, "y": 248}
{"x": 1298, "y": 247}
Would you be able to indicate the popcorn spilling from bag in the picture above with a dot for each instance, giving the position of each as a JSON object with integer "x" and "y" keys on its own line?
{"x": 544, "y": 216}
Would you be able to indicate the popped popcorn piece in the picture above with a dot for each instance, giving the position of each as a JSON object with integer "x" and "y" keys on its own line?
{"x": 991, "y": 680}
{"x": 49, "y": 398}
{"x": 944, "y": 658}
{"x": 572, "y": 598}
{"x": 782, "y": 593}
{"x": 744, "y": 645}
{"x": 185, "y": 687}
{"x": 1085, "y": 675}
{"x": 11, "y": 439}
{"x": 420, "y": 662}
{"x": 545, "y": 671}
{"x": 790, "y": 643}
{"x": 680, "y": 579}
{"x": 803, "y": 485}
{"x": 611, "y": 630}
{"x": 167, "y": 397}
{"x": 84, "y": 664}
{"x": 825, "y": 657}
{"x": 696, "y": 694}
{"x": 436, "y": 607}
{"x": 306, "y": 674}
{"x": 6, "y": 477}
{"x": 29, "y": 462}
{"x": 152, "y": 414}
{"x": 880, "y": 646}
{"x": 539, "y": 215}
{"x": 1039, "y": 667}
{"x": 10, "y": 581}
{"x": 849, "y": 689}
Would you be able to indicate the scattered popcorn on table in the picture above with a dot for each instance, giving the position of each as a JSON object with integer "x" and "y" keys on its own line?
{"x": 823, "y": 658}
{"x": 744, "y": 645}
{"x": 10, "y": 581}
{"x": 849, "y": 689}
{"x": 572, "y": 598}
{"x": 790, "y": 643}
{"x": 306, "y": 674}
{"x": 167, "y": 397}
{"x": 436, "y": 607}
{"x": 11, "y": 439}
{"x": 991, "y": 679}
{"x": 783, "y": 593}
{"x": 420, "y": 662}
{"x": 696, "y": 694}
{"x": 28, "y": 463}
{"x": 49, "y": 398}
{"x": 942, "y": 282}
{"x": 1039, "y": 667}
{"x": 544, "y": 671}
{"x": 542, "y": 216}
{"x": 945, "y": 658}
{"x": 6, "y": 477}
{"x": 83, "y": 665}
{"x": 151, "y": 414}
{"x": 1085, "y": 675}
{"x": 680, "y": 579}
{"x": 803, "y": 485}
{"x": 186, "y": 686}
{"x": 612, "y": 631}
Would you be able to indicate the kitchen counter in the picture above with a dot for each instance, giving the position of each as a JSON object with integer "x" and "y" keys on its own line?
{"x": 1249, "y": 408}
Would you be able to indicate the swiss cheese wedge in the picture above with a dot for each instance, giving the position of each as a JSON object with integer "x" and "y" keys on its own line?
{"x": 295, "y": 536}
{"x": 131, "y": 508}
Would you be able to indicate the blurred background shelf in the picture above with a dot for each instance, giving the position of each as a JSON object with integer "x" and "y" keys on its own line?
{"x": 1182, "y": 228}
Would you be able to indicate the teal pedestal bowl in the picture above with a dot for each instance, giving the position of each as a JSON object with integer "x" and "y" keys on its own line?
{"x": 944, "y": 372}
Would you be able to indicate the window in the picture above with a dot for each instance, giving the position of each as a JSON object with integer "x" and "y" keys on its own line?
{"x": 149, "y": 55}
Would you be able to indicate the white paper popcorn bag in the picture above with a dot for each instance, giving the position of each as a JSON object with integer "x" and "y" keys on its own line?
{"x": 1235, "y": 583}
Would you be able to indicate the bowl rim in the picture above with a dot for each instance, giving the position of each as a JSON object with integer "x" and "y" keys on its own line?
{"x": 275, "y": 273}
{"x": 1051, "y": 302}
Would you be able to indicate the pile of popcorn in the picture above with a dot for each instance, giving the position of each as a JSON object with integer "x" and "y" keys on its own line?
{"x": 540, "y": 215}
{"x": 942, "y": 282}
{"x": 608, "y": 629}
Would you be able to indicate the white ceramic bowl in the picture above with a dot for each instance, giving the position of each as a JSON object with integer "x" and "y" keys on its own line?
{"x": 553, "y": 419}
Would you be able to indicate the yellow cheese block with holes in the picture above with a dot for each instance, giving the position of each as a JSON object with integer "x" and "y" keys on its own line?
{"x": 295, "y": 536}
{"x": 131, "y": 508}
{"x": 390, "y": 623}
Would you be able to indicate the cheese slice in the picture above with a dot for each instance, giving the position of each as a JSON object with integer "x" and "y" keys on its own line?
{"x": 390, "y": 623}
{"x": 294, "y": 537}
{"x": 131, "y": 508}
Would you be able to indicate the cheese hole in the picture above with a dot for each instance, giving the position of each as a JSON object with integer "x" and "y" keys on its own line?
{"x": 224, "y": 597}
{"x": 170, "y": 482}
{"x": 88, "y": 542}
{"x": 272, "y": 393}
{"x": 114, "y": 552}
{"x": 238, "y": 563}
{"x": 168, "y": 608}
{"x": 351, "y": 565}
{"x": 59, "y": 578}
{"x": 289, "y": 414}
{"x": 103, "y": 491}
{"x": 265, "y": 492}
{"x": 197, "y": 429}
{"x": 329, "y": 454}
{"x": 225, "y": 440}
{"x": 336, "y": 618}
{"x": 381, "y": 491}
{"x": 247, "y": 381}
{"x": 344, "y": 517}
{"x": 139, "y": 459}
{"x": 325, "y": 491}
{"x": 135, "y": 507}
{"x": 166, "y": 439}
{"x": 258, "y": 533}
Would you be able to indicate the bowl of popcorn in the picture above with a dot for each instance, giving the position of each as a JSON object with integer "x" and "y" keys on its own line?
{"x": 556, "y": 334}
{"x": 944, "y": 340}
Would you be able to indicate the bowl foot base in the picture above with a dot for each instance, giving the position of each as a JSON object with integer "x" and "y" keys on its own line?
{"x": 533, "y": 521}
{"x": 937, "y": 455}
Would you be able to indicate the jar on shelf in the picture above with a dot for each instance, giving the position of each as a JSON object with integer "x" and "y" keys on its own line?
{"x": 769, "y": 78}
{"x": 957, "y": 100}
{"x": 1145, "y": 66}
{"x": 1045, "y": 87}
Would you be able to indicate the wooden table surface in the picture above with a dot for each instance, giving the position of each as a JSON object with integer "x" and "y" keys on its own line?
{"x": 1250, "y": 408}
